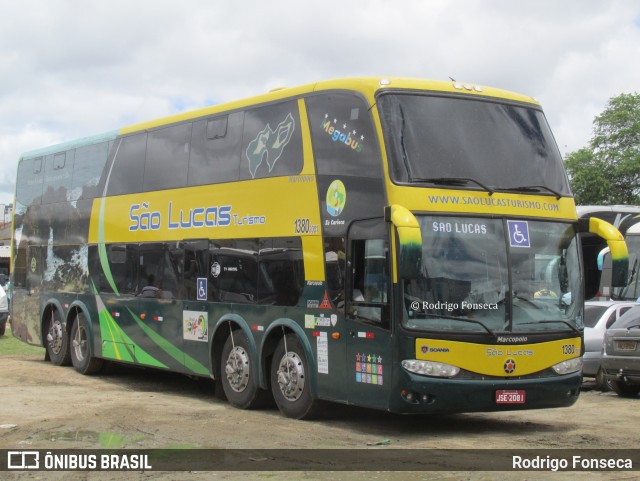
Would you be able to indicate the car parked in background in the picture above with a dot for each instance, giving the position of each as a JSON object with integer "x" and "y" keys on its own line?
{"x": 598, "y": 317}
{"x": 621, "y": 356}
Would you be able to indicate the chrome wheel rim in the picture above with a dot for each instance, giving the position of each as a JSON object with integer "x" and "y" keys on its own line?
{"x": 291, "y": 378}
{"x": 55, "y": 336}
{"x": 237, "y": 369}
{"x": 81, "y": 343}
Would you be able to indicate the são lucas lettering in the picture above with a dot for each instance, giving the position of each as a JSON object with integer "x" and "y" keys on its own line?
{"x": 460, "y": 227}
{"x": 143, "y": 218}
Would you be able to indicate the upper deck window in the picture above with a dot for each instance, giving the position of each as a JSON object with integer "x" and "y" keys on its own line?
{"x": 271, "y": 142}
{"x": 503, "y": 146}
{"x": 344, "y": 141}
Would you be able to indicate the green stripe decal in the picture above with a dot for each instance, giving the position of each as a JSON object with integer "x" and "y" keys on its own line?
{"x": 189, "y": 362}
{"x": 102, "y": 250}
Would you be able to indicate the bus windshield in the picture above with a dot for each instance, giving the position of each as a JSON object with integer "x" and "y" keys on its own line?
{"x": 495, "y": 275}
{"x": 498, "y": 145}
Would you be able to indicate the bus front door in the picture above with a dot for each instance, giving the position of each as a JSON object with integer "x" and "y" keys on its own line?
{"x": 369, "y": 351}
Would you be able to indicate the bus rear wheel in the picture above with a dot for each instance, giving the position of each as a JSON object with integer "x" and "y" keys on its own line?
{"x": 290, "y": 382}
{"x": 238, "y": 383}
{"x": 82, "y": 349}
{"x": 57, "y": 340}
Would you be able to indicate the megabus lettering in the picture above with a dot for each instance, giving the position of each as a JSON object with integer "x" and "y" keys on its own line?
{"x": 143, "y": 218}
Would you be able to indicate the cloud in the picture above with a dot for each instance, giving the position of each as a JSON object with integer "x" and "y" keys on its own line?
{"x": 73, "y": 68}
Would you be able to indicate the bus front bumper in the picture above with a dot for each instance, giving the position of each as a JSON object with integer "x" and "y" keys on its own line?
{"x": 421, "y": 394}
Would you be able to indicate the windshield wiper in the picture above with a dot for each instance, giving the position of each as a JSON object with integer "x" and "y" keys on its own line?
{"x": 462, "y": 319}
{"x": 534, "y": 188}
{"x": 452, "y": 181}
{"x": 573, "y": 328}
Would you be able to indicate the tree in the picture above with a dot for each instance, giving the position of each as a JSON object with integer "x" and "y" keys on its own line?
{"x": 608, "y": 170}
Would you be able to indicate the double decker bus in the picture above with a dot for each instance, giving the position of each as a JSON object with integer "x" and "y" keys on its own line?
{"x": 398, "y": 244}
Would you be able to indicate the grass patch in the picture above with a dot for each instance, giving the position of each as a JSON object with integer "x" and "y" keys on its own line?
{"x": 11, "y": 346}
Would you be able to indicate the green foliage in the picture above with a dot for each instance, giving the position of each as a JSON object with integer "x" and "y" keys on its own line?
{"x": 608, "y": 170}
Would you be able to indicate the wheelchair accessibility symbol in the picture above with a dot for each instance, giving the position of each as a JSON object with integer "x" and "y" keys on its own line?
{"x": 202, "y": 288}
{"x": 518, "y": 233}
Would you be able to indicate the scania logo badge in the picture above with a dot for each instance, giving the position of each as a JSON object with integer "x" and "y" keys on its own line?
{"x": 425, "y": 349}
{"x": 509, "y": 366}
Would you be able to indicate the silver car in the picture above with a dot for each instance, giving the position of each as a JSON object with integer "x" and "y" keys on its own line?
{"x": 598, "y": 317}
{"x": 621, "y": 357}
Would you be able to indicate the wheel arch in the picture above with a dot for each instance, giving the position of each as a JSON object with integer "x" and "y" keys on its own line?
{"x": 274, "y": 333}
{"x": 222, "y": 330}
{"x": 80, "y": 307}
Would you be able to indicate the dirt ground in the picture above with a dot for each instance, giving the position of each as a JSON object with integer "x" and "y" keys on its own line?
{"x": 55, "y": 407}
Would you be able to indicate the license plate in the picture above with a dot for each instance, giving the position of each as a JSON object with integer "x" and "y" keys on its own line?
{"x": 626, "y": 345}
{"x": 510, "y": 397}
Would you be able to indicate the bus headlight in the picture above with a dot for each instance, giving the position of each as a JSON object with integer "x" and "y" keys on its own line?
{"x": 566, "y": 367}
{"x": 430, "y": 368}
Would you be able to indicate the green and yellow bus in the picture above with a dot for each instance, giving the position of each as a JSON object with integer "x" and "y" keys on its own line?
{"x": 399, "y": 244}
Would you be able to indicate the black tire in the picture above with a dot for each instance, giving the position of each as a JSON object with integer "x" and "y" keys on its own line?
{"x": 601, "y": 381}
{"x": 237, "y": 379}
{"x": 290, "y": 380}
{"x": 57, "y": 340}
{"x": 625, "y": 390}
{"x": 82, "y": 348}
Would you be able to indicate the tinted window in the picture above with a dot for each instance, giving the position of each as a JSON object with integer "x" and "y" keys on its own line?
{"x": 215, "y": 150}
{"x": 344, "y": 142}
{"x": 335, "y": 269}
{"x": 128, "y": 166}
{"x": 592, "y": 314}
{"x": 29, "y": 182}
{"x": 160, "y": 270}
{"x": 630, "y": 318}
{"x": 196, "y": 265}
{"x": 272, "y": 142}
{"x": 58, "y": 172}
{"x": 88, "y": 166}
{"x": 123, "y": 262}
{"x": 234, "y": 270}
{"x": 167, "y": 158}
{"x": 280, "y": 272}
{"x": 500, "y": 145}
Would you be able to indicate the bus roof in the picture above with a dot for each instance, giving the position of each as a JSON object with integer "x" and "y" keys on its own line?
{"x": 368, "y": 86}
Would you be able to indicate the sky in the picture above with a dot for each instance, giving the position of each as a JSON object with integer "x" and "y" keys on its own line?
{"x": 75, "y": 68}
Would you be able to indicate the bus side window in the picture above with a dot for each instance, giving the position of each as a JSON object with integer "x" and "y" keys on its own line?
{"x": 196, "y": 263}
{"x": 215, "y": 149}
{"x": 271, "y": 142}
{"x": 123, "y": 263}
{"x": 128, "y": 166}
{"x": 234, "y": 270}
{"x": 370, "y": 287}
{"x": 335, "y": 268}
{"x": 167, "y": 158}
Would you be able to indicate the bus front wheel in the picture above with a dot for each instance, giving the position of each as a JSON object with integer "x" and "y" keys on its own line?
{"x": 290, "y": 382}
{"x": 81, "y": 348}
